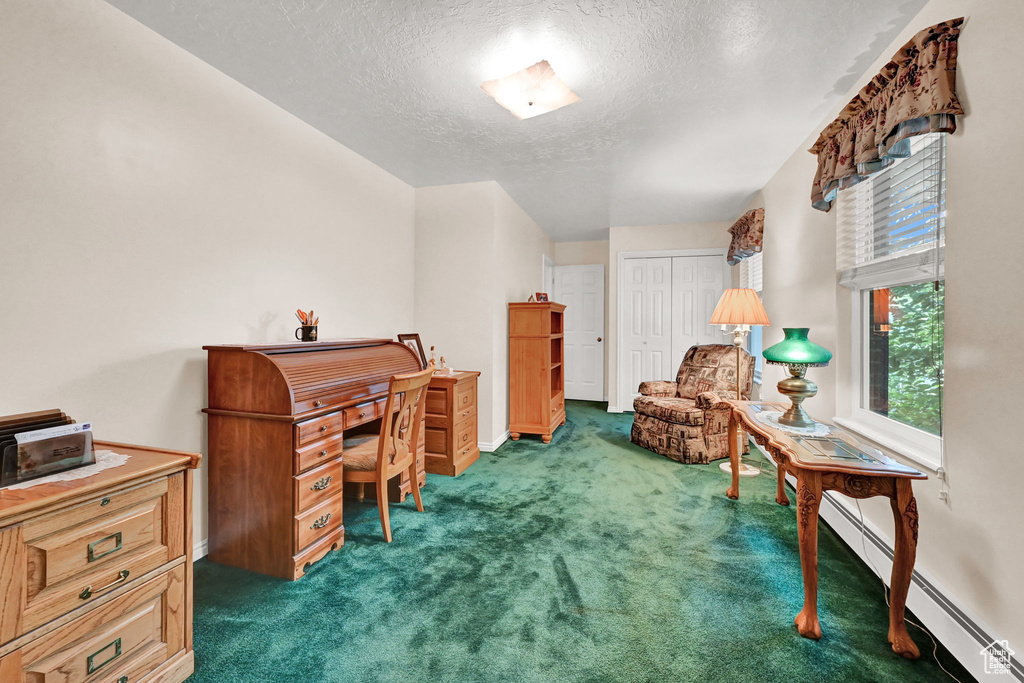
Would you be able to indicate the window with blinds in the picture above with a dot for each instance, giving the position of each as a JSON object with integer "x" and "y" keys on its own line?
{"x": 894, "y": 221}
{"x": 750, "y": 272}
{"x": 750, "y": 278}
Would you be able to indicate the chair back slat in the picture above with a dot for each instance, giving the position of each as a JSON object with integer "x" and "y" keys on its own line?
{"x": 403, "y": 421}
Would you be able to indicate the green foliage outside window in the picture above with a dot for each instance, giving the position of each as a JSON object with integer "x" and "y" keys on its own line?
{"x": 913, "y": 381}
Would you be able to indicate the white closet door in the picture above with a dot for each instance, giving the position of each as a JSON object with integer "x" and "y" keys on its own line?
{"x": 697, "y": 284}
{"x": 659, "y": 317}
{"x": 647, "y": 343}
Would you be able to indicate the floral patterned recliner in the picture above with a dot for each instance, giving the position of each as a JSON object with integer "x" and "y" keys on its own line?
{"x": 688, "y": 420}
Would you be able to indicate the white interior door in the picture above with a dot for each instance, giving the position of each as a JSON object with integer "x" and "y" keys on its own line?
{"x": 581, "y": 289}
{"x": 697, "y": 285}
{"x": 647, "y": 339}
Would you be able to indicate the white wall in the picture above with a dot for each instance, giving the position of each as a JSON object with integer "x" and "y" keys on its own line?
{"x": 476, "y": 250}
{"x": 971, "y": 544}
{"x": 520, "y": 245}
{"x": 150, "y": 205}
{"x": 649, "y": 238}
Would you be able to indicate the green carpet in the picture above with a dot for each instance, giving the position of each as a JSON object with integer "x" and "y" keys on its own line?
{"x": 588, "y": 559}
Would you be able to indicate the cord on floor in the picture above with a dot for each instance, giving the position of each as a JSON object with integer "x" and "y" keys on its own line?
{"x": 885, "y": 591}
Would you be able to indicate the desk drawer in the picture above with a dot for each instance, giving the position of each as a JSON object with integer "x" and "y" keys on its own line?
{"x": 318, "y": 452}
{"x": 122, "y": 640}
{"x": 318, "y": 521}
{"x": 71, "y": 557}
{"x": 317, "y": 485}
{"x": 360, "y": 414}
{"x": 319, "y": 427}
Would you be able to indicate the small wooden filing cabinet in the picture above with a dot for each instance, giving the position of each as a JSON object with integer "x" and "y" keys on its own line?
{"x": 96, "y": 574}
{"x": 536, "y": 376}
{"x": 451, "y": 430}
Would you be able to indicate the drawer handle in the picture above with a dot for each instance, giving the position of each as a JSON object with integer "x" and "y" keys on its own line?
{"x": 317, "y": 404}
{"x": 88, "y": 592}
{"x": 323, "y": 428}
{"x": 321, "y": 484}
{"x": 362, "y": 414}
{"x": 93, "y": 555}
{"x": 323, "y": 453}
{"x": 105, "y": 502}
{"x": 322, "y": 522}
{"x": 466, "y": 413}
{"x": 92, "y": 666}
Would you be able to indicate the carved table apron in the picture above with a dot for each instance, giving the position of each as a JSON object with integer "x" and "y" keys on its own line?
{"x": 807, "y": 459}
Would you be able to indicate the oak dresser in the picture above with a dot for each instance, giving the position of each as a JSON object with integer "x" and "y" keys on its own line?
{"x": 451, "y": 423}
{"x": 96, "y": 574}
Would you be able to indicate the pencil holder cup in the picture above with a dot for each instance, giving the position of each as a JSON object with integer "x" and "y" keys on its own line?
{"x": 306, "y": 333}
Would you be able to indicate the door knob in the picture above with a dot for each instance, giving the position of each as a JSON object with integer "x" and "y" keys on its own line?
{"x": 598, "y": 339}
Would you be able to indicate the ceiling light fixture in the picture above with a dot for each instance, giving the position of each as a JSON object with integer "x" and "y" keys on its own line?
{"x": 531, "y": 92}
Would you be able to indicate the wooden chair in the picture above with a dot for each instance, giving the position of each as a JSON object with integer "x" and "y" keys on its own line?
{"x": 374, "y": 459}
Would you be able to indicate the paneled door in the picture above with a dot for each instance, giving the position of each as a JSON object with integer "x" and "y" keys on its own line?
{"x": 697, "y": 285}
{"x": 581, "y": 289}
{"x": 647, "y": 338}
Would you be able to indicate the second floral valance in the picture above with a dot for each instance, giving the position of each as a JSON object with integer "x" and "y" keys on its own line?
{"x": 747, "y": 234}
{"x": 914, "y": 94}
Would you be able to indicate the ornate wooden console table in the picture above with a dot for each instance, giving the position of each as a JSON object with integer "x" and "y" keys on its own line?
{"x": 834, "y": 462}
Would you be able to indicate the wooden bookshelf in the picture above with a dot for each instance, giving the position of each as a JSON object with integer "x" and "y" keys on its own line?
{"x": 536, "y": 373}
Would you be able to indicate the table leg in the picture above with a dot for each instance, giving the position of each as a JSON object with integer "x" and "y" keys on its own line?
{"x": 904, "y": 510}
{"x": 734, "y": 457}
{"x": 808, "y": 498}
{"x": 780, "y": 491}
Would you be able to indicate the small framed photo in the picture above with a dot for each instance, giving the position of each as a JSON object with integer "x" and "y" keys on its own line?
{"x": 541, "y": 296}
{"x": 414, "y": 343}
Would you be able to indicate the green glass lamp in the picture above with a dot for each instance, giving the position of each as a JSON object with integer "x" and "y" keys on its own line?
{"x": 797, "y": 353}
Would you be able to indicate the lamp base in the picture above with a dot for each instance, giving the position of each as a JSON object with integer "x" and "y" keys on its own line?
{"x": 745, "y": 469}
{"x": 797, "y": 388}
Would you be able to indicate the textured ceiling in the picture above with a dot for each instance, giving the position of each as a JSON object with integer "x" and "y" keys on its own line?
{"x": 689, "y": 106}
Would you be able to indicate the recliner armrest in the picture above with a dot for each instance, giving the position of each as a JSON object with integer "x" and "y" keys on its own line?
{"x": 658, "y": 389}
{"x": 709, "y": 400}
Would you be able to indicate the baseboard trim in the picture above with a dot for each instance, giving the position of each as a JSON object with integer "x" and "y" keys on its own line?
{"x": 963, "y": 633}
{"x": 614, "y": 409}
{"x": 200, "y": 549}
{"x": 486, "y": 447}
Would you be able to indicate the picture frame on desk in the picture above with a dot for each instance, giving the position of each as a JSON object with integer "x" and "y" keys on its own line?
{"x": 414, "y": 343}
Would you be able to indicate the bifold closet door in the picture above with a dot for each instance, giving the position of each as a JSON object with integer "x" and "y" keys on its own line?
{"x": 647, "y": 341}
{"x": 697, "y": 285}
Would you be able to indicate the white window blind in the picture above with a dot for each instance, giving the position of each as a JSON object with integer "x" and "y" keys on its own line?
{"x": 892, "y": 225}
{"x": 750, "y": 272}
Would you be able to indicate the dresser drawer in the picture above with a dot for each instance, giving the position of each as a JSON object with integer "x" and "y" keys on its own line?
{"x": 465, "y": 434}
{"x": 360, "y": 414}
{"x": 318, "y": 452}
{"x": 71, "y": 557}
{"x": 465, "y": 399}
{"x": 123, "y": 640}
{"x": 317, "y": 485}
{"x": 318, "y": 428}
{"x": 317, "y": 521}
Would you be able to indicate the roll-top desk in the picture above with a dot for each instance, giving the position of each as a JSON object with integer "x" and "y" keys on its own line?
{"x": 277, "y": 417}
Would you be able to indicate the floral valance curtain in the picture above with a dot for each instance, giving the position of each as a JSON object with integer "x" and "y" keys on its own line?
{"x": 747, "y": 234}
{"x": 914, "y": 94}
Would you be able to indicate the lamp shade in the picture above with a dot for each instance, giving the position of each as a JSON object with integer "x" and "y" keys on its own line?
{"x": 740, "y": 307}
{"x": 797, "y": 349}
